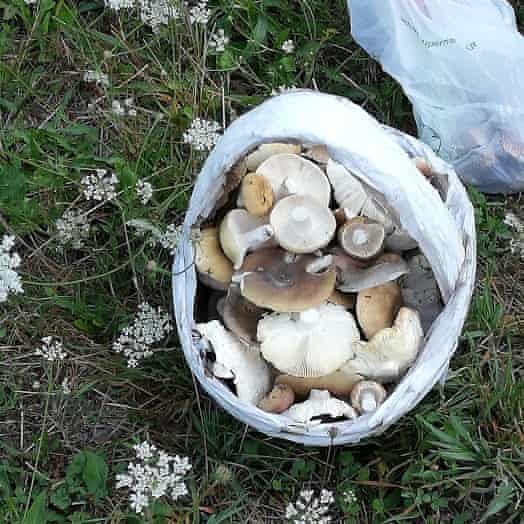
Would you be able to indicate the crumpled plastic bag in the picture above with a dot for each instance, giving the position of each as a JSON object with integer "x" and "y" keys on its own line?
{"x": 461, "y": 64}
{"x": 381, "y": 157}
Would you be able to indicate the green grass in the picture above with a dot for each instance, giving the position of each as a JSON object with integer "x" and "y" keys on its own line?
{"x": 457, "y": 458}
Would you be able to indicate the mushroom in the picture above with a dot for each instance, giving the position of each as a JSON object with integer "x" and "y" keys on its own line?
{"x": 313, "y": 343}
{"x": 349, "y": 192}
{"x": 367, "y": 396}
{"x": 376, "y": 212}
{"x": 250, "y": 372}
{"x": 337, "y": 383}
{"x": 274, "y": 279}
{"x": 318, "y": 154}
{"x": 241, "y": 232}
{"x": 420, "y": 290}
{"x": 294, "y": 175}
{"x": 342, "y": 299}
{"x": 233, "y": 178}
{"x": 377, "y": 307}
{"x": 214, "y": 268}
{"x": 390, "y": 352}
{"x": 264, "y": 151}
{"x": 352, "y": 279}
{"x": 361, "y": 239}
{"x": 240, "y": 316}
{"x": 400, "y": 241}
{"x": 341, "y": 215}
{"x": 256, "y": 195}
{"x": 301, "y": 225}
{"x": 320, "y": 403}
{"x": 280, "y": 398}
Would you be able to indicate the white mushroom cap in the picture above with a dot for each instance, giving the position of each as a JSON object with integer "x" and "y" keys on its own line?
{"x": 241, "y": 232}
{"x": 367, "y": 396}
{"x": 391, "y": 351}
{"x": 294, "y": 175}
{"x": 318, "y": 404}
{"x": 301, "y": 225}
{"x": 313, "y": 343}
{"x": 264, "y": 151}
{"x": 251, "y": 373}
{"x": 349, "y": 192}
{"x": 214, "y": 268}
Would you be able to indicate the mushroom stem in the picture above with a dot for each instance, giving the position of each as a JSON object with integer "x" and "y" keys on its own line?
{"x": 320, "y": 264}
{"x": 368, "y": 402}
{"x": 253, "y": 239}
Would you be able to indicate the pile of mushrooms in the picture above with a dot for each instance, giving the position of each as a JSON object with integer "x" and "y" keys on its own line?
{"x": 322, "y": 300}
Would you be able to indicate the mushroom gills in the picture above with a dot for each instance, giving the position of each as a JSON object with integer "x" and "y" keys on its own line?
{"x": 361, "y": 239}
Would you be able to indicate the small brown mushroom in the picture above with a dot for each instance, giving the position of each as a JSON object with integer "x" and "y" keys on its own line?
{"x": 240, "y": 316}
{"x": 367, "y": 396}
{"x": 256, "y": 194}
{"x": 377, "y": 307}
{"x": 338, "y": 383}
{"x": 362, "y": 239}
{"x": 342, "y": 299}
{"x": 214, "y": 268}
{"x": 232, "y": 180}
{"x": 317, "y": 153}
{"x": 280, "y": 398}
{"x": 274, "y": 279}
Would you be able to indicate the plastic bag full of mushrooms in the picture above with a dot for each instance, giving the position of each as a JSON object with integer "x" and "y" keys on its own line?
{"x": 313, "y": 301}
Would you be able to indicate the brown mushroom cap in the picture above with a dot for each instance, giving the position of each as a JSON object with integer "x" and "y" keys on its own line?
{"x": 274, "y": 279}
{"x": 280, "y": 398}
{"x": 256, "y": 194}
{"x": 240, "y": 316}
{"x": 214, "y": 268}
{"x": 377, "y": 307}
{"x": 342, "y": 299}
{"x": 361, "y": 239}
{"x": 301, "y": 225}
{"x": 338, "y": 383}
{"x": 367, "y": 396}
{"x": 317, "y": 153}
{"x": 233, "y": 178}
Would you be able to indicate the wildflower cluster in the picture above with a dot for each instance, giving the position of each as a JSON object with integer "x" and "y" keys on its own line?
{"x": 100, "y": 186}
{"x": 168, "y": 239}
{"x": 514, "y": 222}
{"x": 288, "y": 46}
{"x": 349, "y": 497}
{"x": 199, "y": 13}
{"x": 144, "y": 191}
{"x": 72, "y": 228}
{"x": 154, "y": 13}
{"x": 51, "y": 349}
{"x": 100, "y": 79}
{"x": 10, "y": 281}
{"x": 124, "y": 108}
{"x": 154, "y": 474}
{"x": 149, "y": 327}
{"x": 516, "y": 244}
{"x": 309, "y": 509}
{"x": 218, "y": 41}
{"x": 202, "y": 134}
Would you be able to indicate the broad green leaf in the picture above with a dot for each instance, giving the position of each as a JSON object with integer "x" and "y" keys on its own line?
{"x": 95, "y": 474}
{"x": 37, "y": 512}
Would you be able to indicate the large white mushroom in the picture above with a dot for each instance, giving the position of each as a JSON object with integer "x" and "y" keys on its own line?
{"x": 390, "y": 352}
{"x": 264, "y": 151}
{"x": 313, "y": 343}
{"x": 241, "y": 232}
{"x": 234, "y": 360}
{"x": 320, "y": 403}
{"x": 294, "y": 175}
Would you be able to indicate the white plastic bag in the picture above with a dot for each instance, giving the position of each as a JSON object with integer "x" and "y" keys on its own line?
{"x": 461, "y": 64}
{"x": 380, "y": 157}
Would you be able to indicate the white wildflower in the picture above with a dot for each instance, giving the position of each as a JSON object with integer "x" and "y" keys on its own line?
{"x": 51, "y": 349}
{"x": 349, "y": 497}
{"x": 154, "y": 474}
{"x": 144, "y": 191}
{"x": 72, "y": 228}
{"x": 149, "y": 327}
{"x": 30, "y": 2}
{"x": 308, "y": 509}
{"x": 154, "y": 13}
{"x": 517, "y": 247}
{"x": 218, "y": 41}
{"x": 66, "y": 386}
{"x": 288, "y": 46}
{"x": 169, "y": 239}
{"x": 100, "y": 186}
{"x": 36, "y": 385}
{"x": 10, "y": 281}
{"x": 514, "y": 222}
{"x": 100, "y": 79}
{"x": 202, "y": 134}
{"x": 125, "y": 107}
{"x": 199, "y": 13}
{"x": 283, "y": 89}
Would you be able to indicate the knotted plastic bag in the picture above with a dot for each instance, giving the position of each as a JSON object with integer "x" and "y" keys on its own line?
{"x": 461, "y": 64}
{"x": 381, "y": 158}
